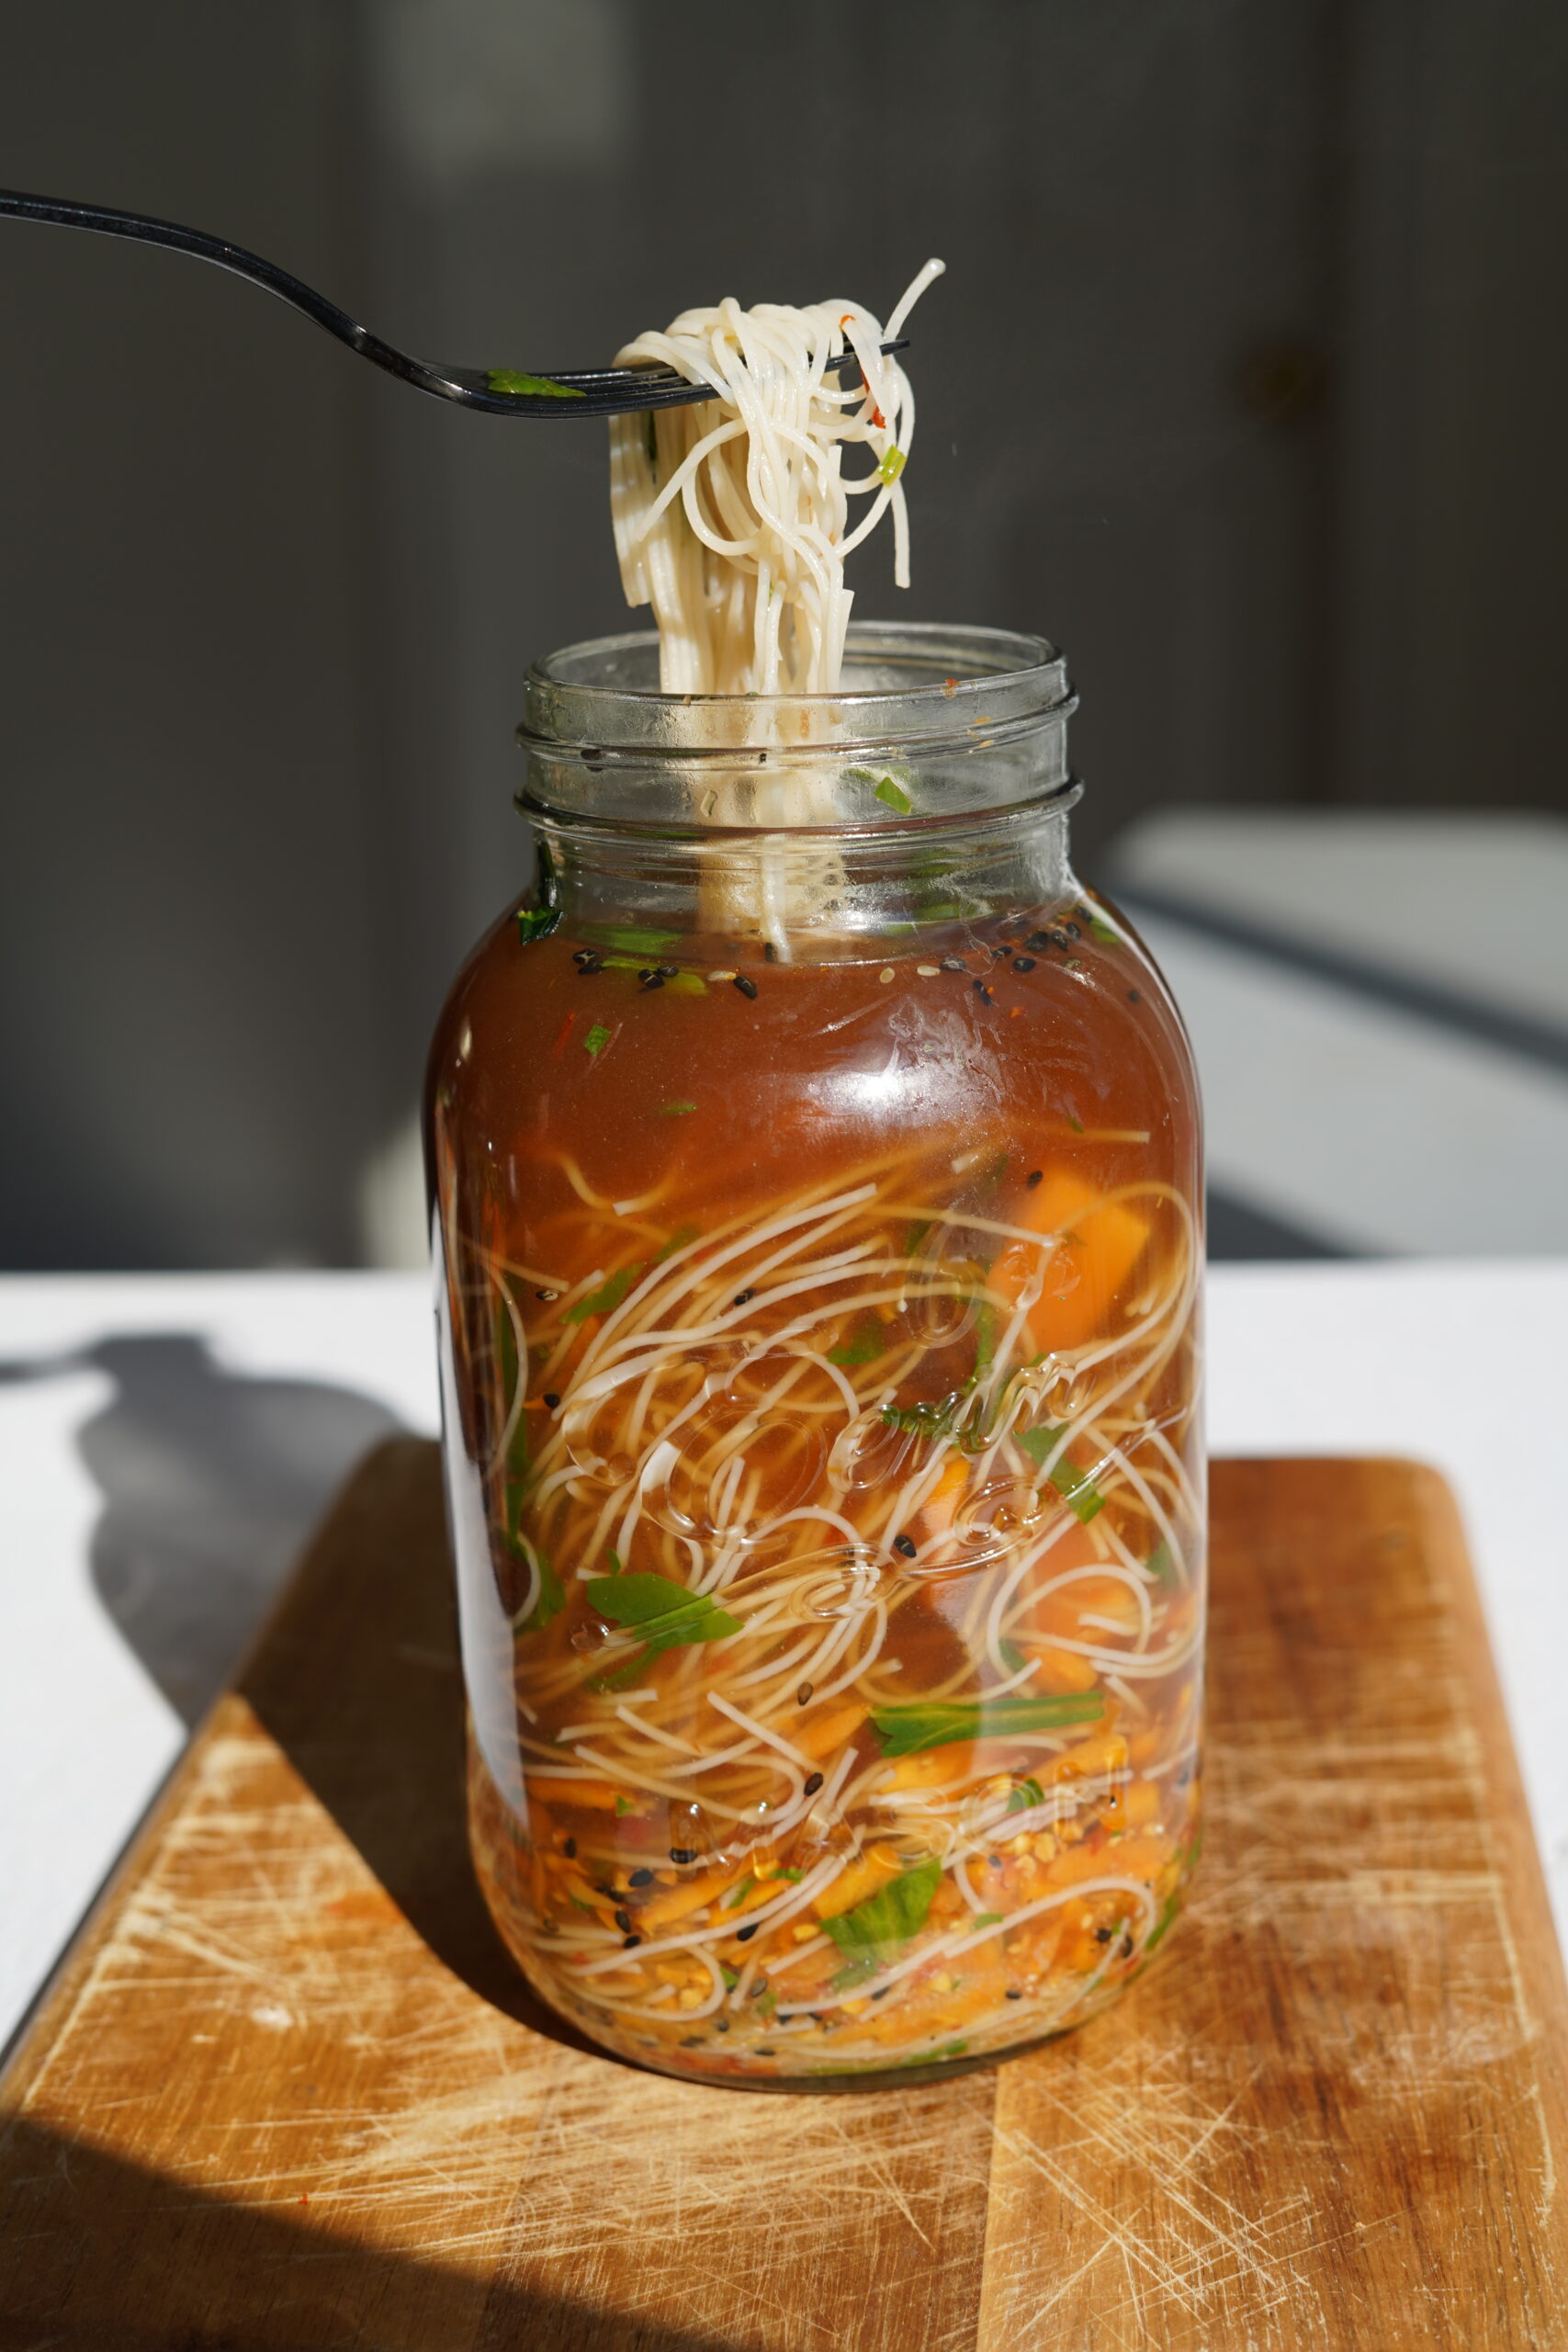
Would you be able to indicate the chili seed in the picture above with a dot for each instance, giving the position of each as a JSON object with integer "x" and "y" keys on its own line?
{"x": 905, "y": 1544}
{"x": 744, "y": 1935}
{"x": 1014, "y": 1992}
{"x": 623, "y": 1921}
{"x": 569, "y": 1849}
{"x": 640, "y": 1878}
{"x": 1023, "y": 963}
{"x": 551, "y": 1399}
{"x": 813, "y": 1783}
{"x": 746, "y": 987}
{"x": 630, "y": 1943}
{"x": 802, "y": 1695}
{"x": 682, "y": 1854}
{"x": 1033, "y": 1178}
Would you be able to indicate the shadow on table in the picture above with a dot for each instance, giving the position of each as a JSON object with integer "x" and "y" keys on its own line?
{"x": 211, "y": 1482}
{"x": 101, "y": 2253}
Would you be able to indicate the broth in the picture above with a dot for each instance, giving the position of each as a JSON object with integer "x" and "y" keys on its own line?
{"x": 821, "y": 1361}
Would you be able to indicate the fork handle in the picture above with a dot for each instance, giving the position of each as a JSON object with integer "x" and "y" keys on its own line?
{"x": 105, "y": 221}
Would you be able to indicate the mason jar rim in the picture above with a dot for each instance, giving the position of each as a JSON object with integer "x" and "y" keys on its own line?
{"x": 906, "y": 684}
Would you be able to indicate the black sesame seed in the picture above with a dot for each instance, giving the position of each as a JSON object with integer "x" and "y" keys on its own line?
{"x": 1103, "y": 1935}
{"x": 1023, "y": 963}
{"x": 995, "y": 1861}
{"x": 569, "y": 1849}
{"x": 723, "y": 2025}
{"x": 746, "y": 987}
{"x": 813, "y": 1784}
{"x": 640, "y": 1878}
{"x": 667, "y": 971}
{"x": 802, "y": 1695}
{"x": 599, "y": 1888}
{"x": 1038, "y": 940}
{"x": 1132, "y": 997}
{"x": 1033, "y": 1178}
{"x": 1072, "y": 930}
{"x": 682, "y": 1854}
{"x": 651, "y": 980}
{"x": 953, "y": 964}
{"x": 880, "y": 1991}
{"x": 581, "y": 954}
{"x": 551, "y": 1399}
{"x": 630, "y": 1943}
{"x": 743, "y": 1298}
{"x": 1013, "y": 1994}
{"x": 1058, "y": 939}
{"x": 623, "y": 1921}
{"x": 905, "y": 1544}
{"x": 985, "y": 992}
{"x": 1126, "y": 1947}
{"x": 691, "y": 2041}
{"x": 546, "y": 1293}
{"x": 1000, "y": 954}
{"x": 744, "y": 1935}
{"x": 589, "y": 962}
{"x": 770, "y": 952}
{"x": 760, "y": 2052}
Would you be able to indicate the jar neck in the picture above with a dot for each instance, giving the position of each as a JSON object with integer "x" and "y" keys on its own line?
{"x": 932, "y": 791}
{"x": 808, "y": 898}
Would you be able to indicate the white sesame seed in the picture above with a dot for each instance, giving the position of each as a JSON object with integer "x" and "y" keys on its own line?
{"x": 721, "y": 976}
{"x": 928, "y": 971}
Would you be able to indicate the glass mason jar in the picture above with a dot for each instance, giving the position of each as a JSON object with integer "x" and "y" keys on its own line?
{"x": 818, "y": 1174}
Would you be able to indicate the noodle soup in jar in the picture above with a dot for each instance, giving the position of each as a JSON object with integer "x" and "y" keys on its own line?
{"x": 816, "y": 1167}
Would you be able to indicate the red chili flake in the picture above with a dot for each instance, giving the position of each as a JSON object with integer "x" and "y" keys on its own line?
{"x": 950, "y": 685}
{"x": 847, "y": 317}
{"x": 879, "y": 420}
{"x": 563, "y": 1033}
{"x": 304, "y": 2196}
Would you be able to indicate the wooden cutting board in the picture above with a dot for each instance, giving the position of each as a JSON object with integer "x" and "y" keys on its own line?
{"x": 289, "y": 2093}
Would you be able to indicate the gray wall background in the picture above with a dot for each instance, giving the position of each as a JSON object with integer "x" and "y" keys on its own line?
{"x": 1244, "y": 384}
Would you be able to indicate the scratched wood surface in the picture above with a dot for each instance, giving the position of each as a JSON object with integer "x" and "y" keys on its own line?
{"x": 289, "y": 2093}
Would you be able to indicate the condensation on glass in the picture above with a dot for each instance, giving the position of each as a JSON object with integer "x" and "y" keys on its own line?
{"x": 816, "y": 1174}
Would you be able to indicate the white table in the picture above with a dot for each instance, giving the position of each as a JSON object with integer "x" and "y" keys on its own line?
{"x": 166, "y": 1443}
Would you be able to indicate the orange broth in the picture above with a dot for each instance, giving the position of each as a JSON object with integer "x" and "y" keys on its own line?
{"x": 823, "y": 1356}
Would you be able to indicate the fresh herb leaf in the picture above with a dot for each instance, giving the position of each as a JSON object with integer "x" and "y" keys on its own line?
{"x": 892, "y": 464}
{"x": 607, "y": 1297}
{"x": 623, "y": 1805}
{"x": 767, "y": 2001}
{"x": 598, "y": 1038}
{"x": 509, "y": 380}
{"x": 893, "y": 796}
{"x": 984, "y": 1336}
{"x": 1076, "y": 1124}
{"x": 914, "y": 1239}
{"x": 613, "y": 1557}
{"x": 549, "y": 1603}
{"x": 731, "y": 1975}
{"x": 1102, "y": 931}
{"x": 1012, "y": 1658}
{"x": 989, "y": 1919}
{"x": 863, "y": 1346}
{"x": 737, "y": 1894}
{"x": 878, "y": 1929}
{"x": 537, "y": 923}
{"x": 855, "y": 1971}
{"x": 667, "y": 1616}
{"x": 1026, "y": 1796}
{"x": 794, "y": 1877}
{"x": 909, "y": 1730}
{"x": 1076, "y": 1486}
{"x": 677, "y": 1110}
{"x": 1162, "y": 1567}
{"x": 627, "y": 939}
{"x": 678, "y": 1241}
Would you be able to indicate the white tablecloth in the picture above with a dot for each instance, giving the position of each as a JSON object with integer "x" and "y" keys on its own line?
{"x": 167, "y": 1442}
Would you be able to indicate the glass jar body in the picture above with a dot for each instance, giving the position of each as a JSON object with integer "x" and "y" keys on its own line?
{"x": 819, "y": 1331}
